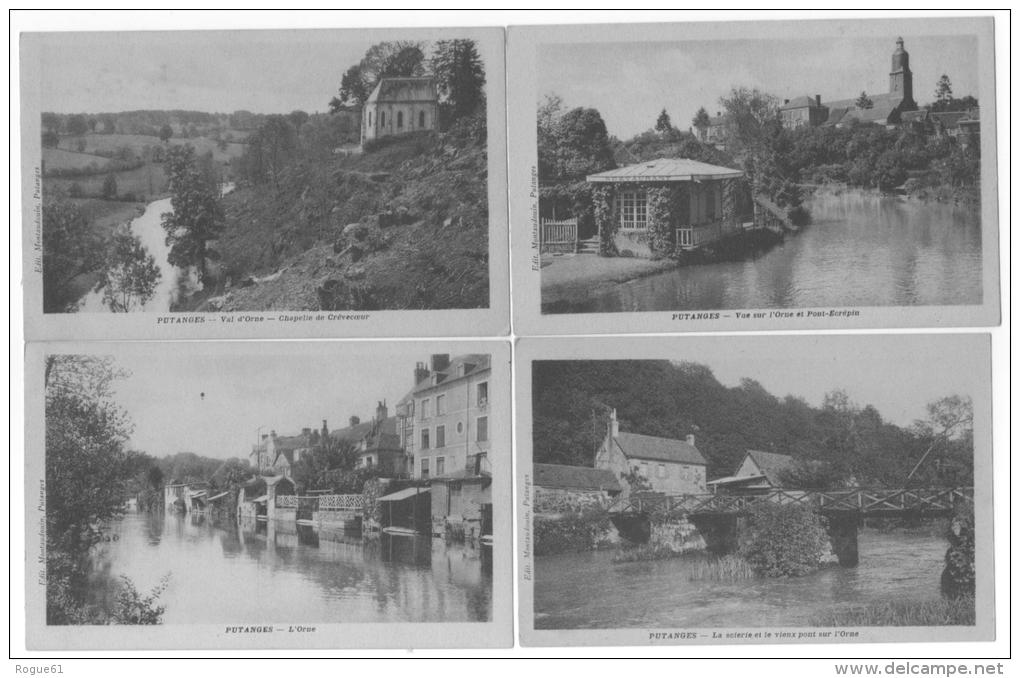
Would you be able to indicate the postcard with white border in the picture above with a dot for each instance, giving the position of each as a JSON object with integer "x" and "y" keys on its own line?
{"x": 264, "y": 183}
{"x": 753, "y": 175}
{"x": 755, "y": 490}
{"x": 274, "y": 495}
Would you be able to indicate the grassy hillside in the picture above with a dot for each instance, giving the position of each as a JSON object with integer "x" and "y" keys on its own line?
{"x": 404, "y": 226}
{"x": 60, "y": 159}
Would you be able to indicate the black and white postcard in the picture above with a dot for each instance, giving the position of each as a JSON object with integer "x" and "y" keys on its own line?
{"x": 264, "y": 183}
{"x": 265, "y": 496}
{"x": 766, "y": 175}
{"x": 754, "y": 490}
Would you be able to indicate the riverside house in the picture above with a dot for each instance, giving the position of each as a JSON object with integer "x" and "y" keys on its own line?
{"x": 655, "y": 208}
{"x": 653, "y": 463}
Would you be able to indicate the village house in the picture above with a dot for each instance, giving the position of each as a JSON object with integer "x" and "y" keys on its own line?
{"x": 443, "y": 424}
{"x": 398, "y": 106}
{"x": 714, "y": 132}
{"x": 651, "y": 463}
{"x": 652, "y": 208}
{"x": 559, "y": 487}
{"x": 758, "y": 472}
{"x": 882, "y": 108}
{"x": 376, "y": 442}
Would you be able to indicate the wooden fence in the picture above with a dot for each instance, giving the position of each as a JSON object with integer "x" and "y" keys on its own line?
{"x": 558, "y": 236}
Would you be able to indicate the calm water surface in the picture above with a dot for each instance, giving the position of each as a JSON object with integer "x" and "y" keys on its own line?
{"x": 860, "y": 250}
{"x": 282, "y": 572}
{"x": 588, "y": 590}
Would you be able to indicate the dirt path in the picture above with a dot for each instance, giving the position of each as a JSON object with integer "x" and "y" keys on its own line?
{"x": 574, "y": 277}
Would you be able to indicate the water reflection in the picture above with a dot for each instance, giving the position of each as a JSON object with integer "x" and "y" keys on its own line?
{"x": 860, "y": 250}
{"x": 257, "y": 570}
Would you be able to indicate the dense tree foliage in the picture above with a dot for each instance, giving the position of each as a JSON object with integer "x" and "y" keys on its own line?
{"x": 88, "y": 471}
{"x": 663, "y": 123}
{"x": 71, "y": 248}
{"x": 571, "y": 145}
{"x": 572, "y": 401}
{"x": 129, "y": 275}
{"x": 197, "y": 215}
{"x": 460, "y": 76}
{"x": 383, "y": 60}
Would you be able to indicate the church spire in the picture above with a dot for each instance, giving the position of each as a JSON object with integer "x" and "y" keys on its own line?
{"x": 901, "y": 80}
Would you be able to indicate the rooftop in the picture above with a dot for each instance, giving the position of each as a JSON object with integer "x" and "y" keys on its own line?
{"x": 472, "y": 363}
{"x": 653, "y": 448}
{"x": 575, "y": 478}
{"x": 404, "y": 89}
{"x": 666, "y": 169}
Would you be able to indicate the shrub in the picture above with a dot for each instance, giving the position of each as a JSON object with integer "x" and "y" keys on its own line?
{"x": 573, "y": 531}
{"x": 785, "y": 540}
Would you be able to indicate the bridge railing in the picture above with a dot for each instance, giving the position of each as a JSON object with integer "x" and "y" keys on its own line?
{"x": 859, "y": 500}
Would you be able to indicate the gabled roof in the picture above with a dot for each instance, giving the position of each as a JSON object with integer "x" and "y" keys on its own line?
{"x": 381, "y": 434}
{"x": 473, "y": 364}
{"x": 771, "y": 464}
{"x": 666, "y": 169}
{"x": 882, "y": 108}
{"x": 403, "y": 90}
{"x": 653, "y": 448}
{"x": 575, "y": 478}
{"x": 717, "y": 120}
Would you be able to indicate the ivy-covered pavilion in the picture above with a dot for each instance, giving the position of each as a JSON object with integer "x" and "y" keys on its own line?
{"x": 663, "y": 206}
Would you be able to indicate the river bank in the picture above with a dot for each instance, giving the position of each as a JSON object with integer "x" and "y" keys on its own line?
{"x": 861, "y": 249}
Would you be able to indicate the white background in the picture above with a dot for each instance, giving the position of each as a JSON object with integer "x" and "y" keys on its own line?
{"x": 730, "y": 660}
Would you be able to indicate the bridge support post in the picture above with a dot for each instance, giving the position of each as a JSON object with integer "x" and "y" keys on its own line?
{"x": 843, "y": 537}
{"x": 720, "y": 532}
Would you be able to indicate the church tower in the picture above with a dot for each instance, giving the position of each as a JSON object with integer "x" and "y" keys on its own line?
{"x": 901, "y": 80}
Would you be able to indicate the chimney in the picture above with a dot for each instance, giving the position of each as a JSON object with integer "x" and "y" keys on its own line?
{"x": 690, "y": 439}
{"x": 354, "y": 421}
{"x": 325, "y": 429}
{"x": 786, "y": 101}
{"x": 421, "y": 373}
{"x": 381, "y": 411}
{"x": 272, "y": 434}
{"x": 614, "y": 425}
{"x": 264, "y": 436}
{"x": 440, "y": 361}
{"x": 818, "y": 99}
{"x": 306, "y": 432}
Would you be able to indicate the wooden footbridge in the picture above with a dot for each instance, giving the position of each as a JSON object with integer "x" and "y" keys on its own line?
{"x": 859, "y": 501}
{"x": 720, "y": 518}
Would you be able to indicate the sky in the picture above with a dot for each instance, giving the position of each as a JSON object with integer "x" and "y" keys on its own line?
{"x": 630, "y": 83}
{"x": 210, "y": 71}
{"x": 246, "y": 395}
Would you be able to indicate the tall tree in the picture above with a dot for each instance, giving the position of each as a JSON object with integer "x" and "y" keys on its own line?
{"x": 943, "y": 91}
{"x": 165, "y": 132}
{"x": 71, "y": 248}
{"x": 197, "y": 215}
{"x": 864, "y": 102}
{"x": 77, "y": 125}
{"x": 460, "y": 75}
{"x": 663, "y": 123}
{"x": 130, "y": 275}
{"x": 401, "y": 58}
{"x": 700, "y": 119}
